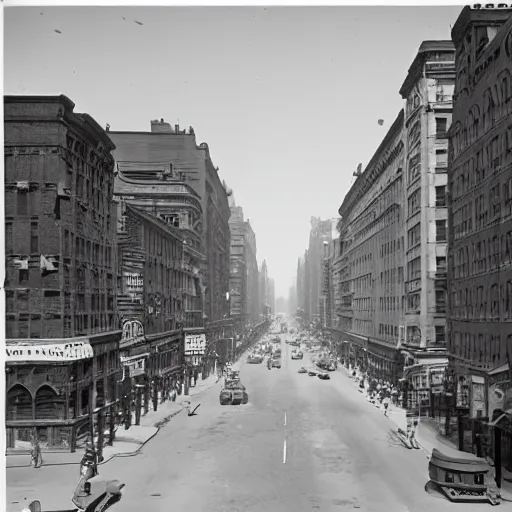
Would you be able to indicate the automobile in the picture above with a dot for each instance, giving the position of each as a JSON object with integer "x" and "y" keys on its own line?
{"x": 302, "y": 370}
{"x": 323, "y": 376}
{"x": 277, "y": 353}
{"x": 276, "y": 363}
{"x": 255, "y": 359}
{"x": 312, "y": 372}
{"x": 233, "y": 394}
{"x": 297, "y": 355}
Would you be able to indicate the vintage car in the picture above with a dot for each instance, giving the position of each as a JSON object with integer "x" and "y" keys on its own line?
{"x": 277, "y": 352}
{"x": 255, "y": 359}
{"x": 323, "y": 376}
{"x": 297, "y": 354}
{"x": 466, "y": 479}
{"x": 302, "y": 370}
{"x": 276, "y": 363}
{"x": 312, "y": 372}
{"x": 233, "y": 394}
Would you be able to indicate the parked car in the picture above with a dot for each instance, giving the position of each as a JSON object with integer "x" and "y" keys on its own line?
{"x": 323, "y": 376}
{"x": 276, "y": 363}
{"x": 297, "y": 355}
{"x": 302, "y": 370}
{"x": 312, "y": 372}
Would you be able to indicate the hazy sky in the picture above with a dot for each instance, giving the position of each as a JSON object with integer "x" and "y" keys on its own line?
{"x": 287, "y": 99}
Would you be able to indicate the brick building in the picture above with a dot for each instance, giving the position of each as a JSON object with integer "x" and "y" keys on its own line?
{"x": 168, "y": 175}
{"x": 369, "y": 266}
{"x": 153, "y": 272}
{"x": 427, "y": 91}
{"x": 62, "y": 327}
{"x": 480, "y": 217}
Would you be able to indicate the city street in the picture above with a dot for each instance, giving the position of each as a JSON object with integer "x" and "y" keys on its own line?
{"x": 300, "y": 444}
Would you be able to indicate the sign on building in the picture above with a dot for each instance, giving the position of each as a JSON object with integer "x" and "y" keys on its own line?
{"x": 58, "y": 351}
{"x": 194, "y": 360}
{"x": 136, "y": 365}
{"x": 134, "y": 286}
{"x": 195, "y": 344}
{"x": 133, "y": 330}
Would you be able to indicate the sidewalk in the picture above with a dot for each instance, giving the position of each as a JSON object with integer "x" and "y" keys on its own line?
{"x": 127, "y": 442}
{"x": 428, "y": 438}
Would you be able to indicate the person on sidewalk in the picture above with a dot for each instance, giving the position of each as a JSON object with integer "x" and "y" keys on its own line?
{"x": 385, "y": 402}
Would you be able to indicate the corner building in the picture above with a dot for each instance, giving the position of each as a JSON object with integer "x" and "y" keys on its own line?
{"x": 62, "y": 329}
{"x": 369, "y": 267}
{"x": 428, "y": 92}
{"x": 480, "y": 245}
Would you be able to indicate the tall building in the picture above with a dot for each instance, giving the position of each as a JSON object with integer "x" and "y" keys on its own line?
{"x": 301, "y": 287}
{"x": 164, "y": 172}
{"x": 428, "y": 92}
{"x": 480, "y": 217}
{"x": 370, "y": 263}
{"x": 272, "y": 295}
{"x": 321, "y": 231}
{"x": 244, "y": 269}
{"x": 263, "y": 290}
{"x": 62, "y": 329}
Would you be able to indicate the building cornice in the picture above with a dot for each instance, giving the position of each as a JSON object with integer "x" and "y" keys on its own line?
{"x": 415, "y": 71}
{"x": 374, "y": 169}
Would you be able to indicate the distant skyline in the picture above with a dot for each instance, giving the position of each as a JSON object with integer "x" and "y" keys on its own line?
{"x": 288, "y": 99}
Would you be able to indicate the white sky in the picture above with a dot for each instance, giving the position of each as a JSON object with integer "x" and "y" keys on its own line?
{"x": 287, "y": 99}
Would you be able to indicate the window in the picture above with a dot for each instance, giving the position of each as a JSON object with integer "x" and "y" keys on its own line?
{"x": 414, "y": 235}
{"x": 441, "y": 157}
{"x": 414, "y": 269}
{"x": 440, "y": 334}
{"x": 414, "y": 202}
{"x": 9, "y": 240}
{"x": 441, "y": 264}
{"x": 414, "y": 167}
{"x": 22, "y": 202}
{"x": 34, "y": 238}
{"x": 441, "y": 196}
{"x": 441, "y": 124}
{"x": 441, "y": 234}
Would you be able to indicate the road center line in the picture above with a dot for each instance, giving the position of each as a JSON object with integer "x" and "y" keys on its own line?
{"x": 284, "y": 452}
{"x": 285, "y": 419}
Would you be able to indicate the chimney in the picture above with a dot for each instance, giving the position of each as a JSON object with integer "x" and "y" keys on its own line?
{"x": 160, "y": 126}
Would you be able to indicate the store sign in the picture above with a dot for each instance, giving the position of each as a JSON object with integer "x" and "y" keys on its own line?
{"x": 51, "y": 352}
{"x": 133, "y": 330}
{"x": 136, "y": 365}
{"x": 195, "y": 344}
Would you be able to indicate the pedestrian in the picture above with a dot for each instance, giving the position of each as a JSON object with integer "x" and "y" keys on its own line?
{"x": 36, "y": 459}
{"x": 386, "y": 405}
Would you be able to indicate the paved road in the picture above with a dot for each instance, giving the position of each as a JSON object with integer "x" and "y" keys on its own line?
{"x": 301, "y": 444}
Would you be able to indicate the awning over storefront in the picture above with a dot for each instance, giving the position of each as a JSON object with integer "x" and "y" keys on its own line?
{"x": 59, "y": 350}
{"x": 136, "y": 364}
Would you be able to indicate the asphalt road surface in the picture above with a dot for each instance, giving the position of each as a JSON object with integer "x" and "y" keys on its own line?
{"x": 300, "y": 444}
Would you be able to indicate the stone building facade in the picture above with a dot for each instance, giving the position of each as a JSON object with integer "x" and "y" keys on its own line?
{"x": 62, "y": 324}
{"x": 480, "y": 216}
{"x": 427, "y": 91}
{"x": 244, "y": 270}
{"x": 321, "y": 231}
{"x": 370, "y": 264}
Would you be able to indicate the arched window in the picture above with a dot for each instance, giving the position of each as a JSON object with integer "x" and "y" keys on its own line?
{"x": 19, "y": 403}
{"x": 488, "y": 110}
{"x": 49, "y": 405}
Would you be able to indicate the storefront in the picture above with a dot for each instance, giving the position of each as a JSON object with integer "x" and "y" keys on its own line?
{"x": 58, "y": 386}
{"x": 165, "y": 366}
